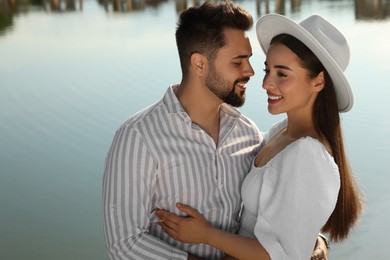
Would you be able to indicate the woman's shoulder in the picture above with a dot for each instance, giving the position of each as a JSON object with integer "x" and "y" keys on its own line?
{"x": 309, "y": 144}
{"x": 274, "y": 129}
{"x": 311, "y": 151}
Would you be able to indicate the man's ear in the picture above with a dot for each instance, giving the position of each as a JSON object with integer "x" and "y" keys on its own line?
{"x": 198, "y": 63}
{"x": 319, "y": 83}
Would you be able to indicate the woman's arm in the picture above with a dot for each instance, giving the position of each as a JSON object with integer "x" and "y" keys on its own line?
{"x": 196, "y": 229}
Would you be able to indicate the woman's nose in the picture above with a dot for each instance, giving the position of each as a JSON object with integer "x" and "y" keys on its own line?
{"x": 267, "y": 82}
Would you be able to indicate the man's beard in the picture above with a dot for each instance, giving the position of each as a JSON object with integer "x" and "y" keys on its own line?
{"x": 220, "y": 88}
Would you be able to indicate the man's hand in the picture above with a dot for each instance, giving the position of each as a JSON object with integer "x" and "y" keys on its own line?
{"x": 320, "y": 250}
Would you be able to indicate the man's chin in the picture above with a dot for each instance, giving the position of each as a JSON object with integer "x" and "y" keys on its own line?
{"x": 236, "y": 102}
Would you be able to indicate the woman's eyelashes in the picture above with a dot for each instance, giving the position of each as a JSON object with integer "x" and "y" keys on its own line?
{"x": 278, "y": 73}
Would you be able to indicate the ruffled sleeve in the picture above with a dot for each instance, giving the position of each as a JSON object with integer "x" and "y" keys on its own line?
{"x": 297, "y": 197}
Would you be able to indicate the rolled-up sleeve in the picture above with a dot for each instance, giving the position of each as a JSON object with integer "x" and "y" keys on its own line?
{"x": 128, "y": 187}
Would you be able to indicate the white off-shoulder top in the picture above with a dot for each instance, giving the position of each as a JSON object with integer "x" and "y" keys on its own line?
{"x": 288, "y": 200}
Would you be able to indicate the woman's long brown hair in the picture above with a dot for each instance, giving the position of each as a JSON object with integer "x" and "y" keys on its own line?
{"x": 326, "y": 120}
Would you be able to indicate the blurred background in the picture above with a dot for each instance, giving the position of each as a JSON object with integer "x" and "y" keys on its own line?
{"x": 71, "y": 71}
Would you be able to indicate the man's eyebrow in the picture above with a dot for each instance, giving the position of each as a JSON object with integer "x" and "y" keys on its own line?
{"x": 279, "y": 66}
{"x": 242, "y": 56}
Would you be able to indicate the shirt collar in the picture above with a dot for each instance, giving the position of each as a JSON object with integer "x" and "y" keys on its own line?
{"x": 172, "y": 102}
{"x": 230, "y": 110}
{"x": 175, "y": 107}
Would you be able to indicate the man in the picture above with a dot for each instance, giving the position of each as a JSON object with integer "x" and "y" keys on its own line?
{"x": 191, "y": 147}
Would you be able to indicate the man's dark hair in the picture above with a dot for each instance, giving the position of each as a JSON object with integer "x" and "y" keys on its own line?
{"x": 201, "y": 29}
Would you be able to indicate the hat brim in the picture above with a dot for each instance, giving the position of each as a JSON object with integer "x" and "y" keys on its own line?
{"x": 272, "y": 25}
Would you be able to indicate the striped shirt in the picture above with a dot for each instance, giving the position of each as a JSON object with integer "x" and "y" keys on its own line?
{"x": 159, "y": 157}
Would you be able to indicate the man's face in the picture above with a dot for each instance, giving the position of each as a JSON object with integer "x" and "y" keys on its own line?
{"x": 230, "y": 71}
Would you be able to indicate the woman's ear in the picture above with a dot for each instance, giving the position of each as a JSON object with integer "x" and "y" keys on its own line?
{"x": 319, "y": 83}
{"x": 198, "y": 63}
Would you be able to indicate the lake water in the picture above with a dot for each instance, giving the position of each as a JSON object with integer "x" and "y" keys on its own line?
{"x": 72, "y": 71}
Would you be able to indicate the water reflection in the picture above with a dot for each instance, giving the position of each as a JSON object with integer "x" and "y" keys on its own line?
{"x": 129, "y": 5}
{"x": 62, "y": 5}
{"x": 18, "y": 6}
{"x": 6, "y": 22}
{"x": 372, "y": 9}
{"x": 262, "y": 6}
{"x": 364, "y": 9}
{"x": 10, "y": 8}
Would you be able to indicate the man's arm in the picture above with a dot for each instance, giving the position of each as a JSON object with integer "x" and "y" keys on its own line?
{"x": 128, "y": 186}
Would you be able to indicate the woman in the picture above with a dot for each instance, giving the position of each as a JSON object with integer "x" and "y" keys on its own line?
{"x": 300, "y": 180}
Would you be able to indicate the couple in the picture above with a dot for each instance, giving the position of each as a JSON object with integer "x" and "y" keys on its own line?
{"x": 193, "y": 147}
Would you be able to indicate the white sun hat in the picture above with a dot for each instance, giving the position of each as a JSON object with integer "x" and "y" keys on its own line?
{"x": 323, "y": 39}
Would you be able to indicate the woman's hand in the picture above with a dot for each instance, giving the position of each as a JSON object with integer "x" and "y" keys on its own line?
{"x": 320, "y": 250}
{"x": 191, "y": 229}
{"x": 195, "y": 229}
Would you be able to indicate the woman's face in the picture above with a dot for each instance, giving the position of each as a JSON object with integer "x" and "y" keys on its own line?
{"x": 288, "y": 86}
